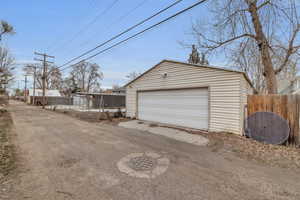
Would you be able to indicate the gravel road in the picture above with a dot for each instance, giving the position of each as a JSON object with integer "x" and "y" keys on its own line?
{"x": 61, "y": 158}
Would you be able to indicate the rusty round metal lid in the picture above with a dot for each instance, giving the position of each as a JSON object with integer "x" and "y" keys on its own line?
{"x": 267, "y": 127}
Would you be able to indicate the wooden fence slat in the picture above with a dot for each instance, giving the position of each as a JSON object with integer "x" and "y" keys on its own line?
{"x": 297, "y": 115}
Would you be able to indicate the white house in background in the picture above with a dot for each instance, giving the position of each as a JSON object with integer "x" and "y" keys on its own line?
{"x": 39, "y": 92}
{"x": 292, "y": 87}
{"x": 188, "y": 95}
{"x": 48, "y": 93}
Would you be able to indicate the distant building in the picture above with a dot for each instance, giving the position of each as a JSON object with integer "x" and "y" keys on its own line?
{"x": 291, "y": 87}
{"x": 39, "y": 93}
{"x": 120, "y": 90}
{"x": 48, "y": 93}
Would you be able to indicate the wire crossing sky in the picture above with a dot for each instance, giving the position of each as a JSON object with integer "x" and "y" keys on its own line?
{"x": 123, "y": 32}
{"x": 55, "y": 22}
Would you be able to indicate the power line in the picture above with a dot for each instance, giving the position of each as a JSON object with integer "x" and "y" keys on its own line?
{"x": 58, "y": 39}
{"x": 110, "y": 6}
{"x": 131, "y": 11}
{"x": 139, "y": 33}
{"x": 118, "y": 20}
{"x": 122, "y": 33}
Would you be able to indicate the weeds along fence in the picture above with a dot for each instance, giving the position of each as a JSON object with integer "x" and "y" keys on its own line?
{"x": 286, "y": 106}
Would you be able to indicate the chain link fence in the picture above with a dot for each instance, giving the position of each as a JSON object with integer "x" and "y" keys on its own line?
{"x": 92, "y": 106}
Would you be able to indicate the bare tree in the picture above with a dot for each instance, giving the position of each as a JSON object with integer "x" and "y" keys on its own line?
{"x": 5, "y": 28}
{"x": 69, "y": 86}
{"x": 133, "y": 75}
{"x": 86, "y": 76}
{"x": 53, "y": 80}
{"x": 6, "y": 67}
{"x": 273, "y": 26}
{"x": 246, "y": 58}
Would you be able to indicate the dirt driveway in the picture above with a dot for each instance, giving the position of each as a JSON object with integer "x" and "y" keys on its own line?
{"x": 64, "y": 158}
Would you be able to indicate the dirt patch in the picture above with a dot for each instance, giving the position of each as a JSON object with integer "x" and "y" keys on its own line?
{"x": 273, "y": 155}
{"x": 153, "y": 125}
{"x": 115, "y": 121}
{"x": 3, "y": 100}
{"x": 67, "y": 162}
{"x": 7, "y": 154}
{"x": 94, "y": 117}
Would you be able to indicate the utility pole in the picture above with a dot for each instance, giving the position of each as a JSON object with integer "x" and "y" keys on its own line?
{"x": 25, "y": 88}
{"x": 44, "y": 76}
{"x": 34, "y": 81}
{"x": 34, "y": 78}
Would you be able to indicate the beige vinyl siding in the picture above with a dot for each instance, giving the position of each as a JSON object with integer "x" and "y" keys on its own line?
{"x": 224, "y": 91}
{"x": 246, "y": 90}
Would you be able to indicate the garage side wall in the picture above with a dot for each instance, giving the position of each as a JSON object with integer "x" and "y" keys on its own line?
{"x": 246, "y": 90}
{"x": 224, "y": 91}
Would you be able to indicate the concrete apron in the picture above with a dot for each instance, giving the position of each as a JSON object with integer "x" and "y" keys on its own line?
{"x": 167, "y": 132}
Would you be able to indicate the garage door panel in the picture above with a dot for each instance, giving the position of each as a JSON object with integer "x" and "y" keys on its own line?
{"x": 188, "y": 107}
{"x": 167, "y": 100}
{"x": 175, "y": 106}
{"x": 196, "y": 115}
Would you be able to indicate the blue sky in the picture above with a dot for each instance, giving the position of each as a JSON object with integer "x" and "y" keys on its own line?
{"x": 64, "y": 30}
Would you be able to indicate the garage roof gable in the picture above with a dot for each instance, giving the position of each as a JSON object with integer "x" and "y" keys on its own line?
{"x": 189, "y": 64}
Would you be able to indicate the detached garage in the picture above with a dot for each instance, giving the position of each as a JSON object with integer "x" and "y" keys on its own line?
{"x": 188, "y": 95}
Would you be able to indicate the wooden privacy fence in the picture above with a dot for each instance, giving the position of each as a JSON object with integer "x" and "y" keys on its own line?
{"x": 286, "y": 106}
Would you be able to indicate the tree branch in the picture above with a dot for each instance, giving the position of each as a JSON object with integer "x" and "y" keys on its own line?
{"x": 290, "y": 50}
{"x": 264, "y": 4}
{"x": 221, "y": 43}
{"x": 230, "y": 16}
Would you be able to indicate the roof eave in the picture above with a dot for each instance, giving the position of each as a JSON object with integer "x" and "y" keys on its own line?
{"x": 195, "y": 65}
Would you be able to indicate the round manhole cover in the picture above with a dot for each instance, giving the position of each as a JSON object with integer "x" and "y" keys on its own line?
{"x": 144, "y": 165}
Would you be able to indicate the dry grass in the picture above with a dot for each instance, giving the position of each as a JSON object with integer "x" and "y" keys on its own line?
{"x": 246, "y": 148}
{"x": 7, "y": 154}
{"x": 273, "y": 155}
{"x": 3, "y": 100}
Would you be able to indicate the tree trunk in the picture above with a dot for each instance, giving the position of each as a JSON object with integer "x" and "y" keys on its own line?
{"x": 263, "y": 46}
{"x": 83, "y": 83}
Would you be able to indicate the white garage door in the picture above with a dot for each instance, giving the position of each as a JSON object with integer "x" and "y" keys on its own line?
{"x": 186, "y": 107}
